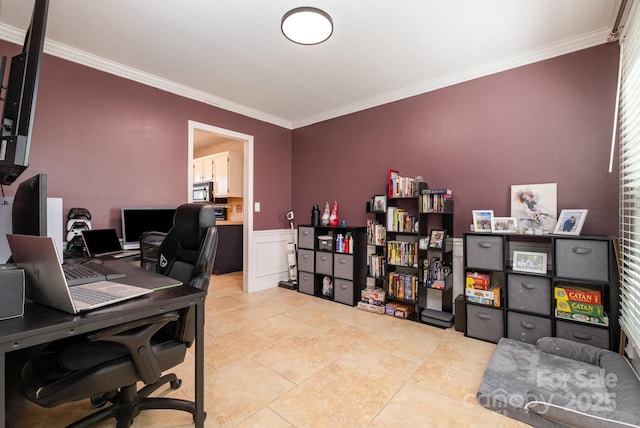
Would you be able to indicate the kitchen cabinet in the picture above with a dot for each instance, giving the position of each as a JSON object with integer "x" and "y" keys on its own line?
{"x": 229, "y": 254}
{"x": 227, "y": 174}
{"x": 203, "y": 169}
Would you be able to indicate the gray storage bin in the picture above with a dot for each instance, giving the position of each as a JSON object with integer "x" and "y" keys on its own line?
{"x": 343, "y": 266}
{"x": 484, "y": 252}
{"x": 529, "y": 293}
{"x": 527, "y": 328}
{"x": 324, "y": 263}
{"x": 306, "y": 237}
{"x": 484, "y": 322}
{"x": 583, "y": 333}
{"x": 343, "y": 291}
{"x": 582, "y": 259}
{"x": 306, "y": 283}
{"x": 305, "y": 260}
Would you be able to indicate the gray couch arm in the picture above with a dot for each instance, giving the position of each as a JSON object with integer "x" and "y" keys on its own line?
{"x": 573, "y": 350}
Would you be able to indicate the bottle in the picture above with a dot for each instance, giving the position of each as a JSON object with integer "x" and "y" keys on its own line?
{"x": 324, "y": 220}
{"x": 315, "y": 216}
{"x": 347, "y": 243}
{"x": 339, "y": 243}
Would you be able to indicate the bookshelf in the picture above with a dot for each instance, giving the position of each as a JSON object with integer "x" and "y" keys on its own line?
{"x": 416, "y": 279}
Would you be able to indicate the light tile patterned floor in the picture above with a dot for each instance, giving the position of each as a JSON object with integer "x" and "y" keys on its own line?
{"x": 279, "y": 358}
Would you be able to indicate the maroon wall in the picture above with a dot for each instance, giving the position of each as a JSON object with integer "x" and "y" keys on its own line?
{"x": 548, "y": 122}
{"x": 107, "y": 142}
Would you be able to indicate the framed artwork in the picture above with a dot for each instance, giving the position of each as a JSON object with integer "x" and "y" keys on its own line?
{"x": 535, "y": 205}
{"x": 482, "y": 220}
{"x": 436, "y": 238}
{"x": 570, "y": 222}
{"x": 379, "y": 203}
{"x": 504, "y": 225}
{"x": 524, "y": 261}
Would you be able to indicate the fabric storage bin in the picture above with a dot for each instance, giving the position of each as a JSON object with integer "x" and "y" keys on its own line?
{"x": 484, "y": 252}
{"x": 529, "y": 293}
{"x": 527, "y": 328}
{"x": 343, "y": 291}
{"x": 325, "y": 242}
{"x": 306, "y": 237}
{"x": 583, "y": 333}
{"x": 306, "y": 283}
{"x": 484, "y": 322}
{"x": 582, "y": 259}
{"x": 324, "y": 263}
{"x": 305, "y": 260}
{"x": 343, "y": 266}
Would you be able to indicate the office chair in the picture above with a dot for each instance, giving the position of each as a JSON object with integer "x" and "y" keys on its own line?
{"x": 109, "y": 363}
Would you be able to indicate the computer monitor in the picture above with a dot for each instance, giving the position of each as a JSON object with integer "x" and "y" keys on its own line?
{"x": 20, "y": 98}
{"x": 29, "y": 211}
{"x": 137, "y": 220}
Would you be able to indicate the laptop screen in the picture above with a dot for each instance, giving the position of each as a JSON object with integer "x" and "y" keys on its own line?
{"x": 100, "y": 241}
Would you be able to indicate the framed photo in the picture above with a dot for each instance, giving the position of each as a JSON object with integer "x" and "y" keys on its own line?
{"x": 504, "y": 225}
{"x": 524, "y": 261}
{"x": 570, "y": 222}
{"x": 436, "y": 239}
{"x": 482, "y": 220}
{"x": 535, "y": 205}
{"x": 379, "y": 203}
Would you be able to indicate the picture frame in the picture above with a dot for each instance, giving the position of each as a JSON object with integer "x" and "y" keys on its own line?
{"x": 535, "y": 205}
{"x": 379, "y": 204}
{"x": 525, "y": 261}
{"x": 436, "y": 238}
{"x": 482, "y": 220}
{"x": 570, "y": 222}
{"x": 504, "y": 225}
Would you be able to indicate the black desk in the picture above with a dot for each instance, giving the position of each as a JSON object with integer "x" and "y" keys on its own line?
{"x": 41, "y": 324}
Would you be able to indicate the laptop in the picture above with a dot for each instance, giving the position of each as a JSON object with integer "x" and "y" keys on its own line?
{"x": 105, "y": 242}
{"x": 46, "y": 283}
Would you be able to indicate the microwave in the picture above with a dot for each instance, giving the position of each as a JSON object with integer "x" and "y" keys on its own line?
{"x": 203, "y": 192}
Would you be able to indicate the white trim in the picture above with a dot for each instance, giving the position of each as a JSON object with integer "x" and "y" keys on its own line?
{"x": 269, "y": 263}
{"x": 248, "y": 252}
{"x": 69, "y": 53}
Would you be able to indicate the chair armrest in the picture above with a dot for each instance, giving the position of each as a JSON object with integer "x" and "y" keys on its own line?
{"x": 136, "y": 337}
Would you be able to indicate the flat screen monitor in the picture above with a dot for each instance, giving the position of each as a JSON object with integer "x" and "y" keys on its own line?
{"x": 29, "y": 211}
{"x": 20, "y": 98}
{"x": 136, "y": 221}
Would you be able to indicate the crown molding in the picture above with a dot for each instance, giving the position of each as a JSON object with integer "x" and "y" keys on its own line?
{"x": 572, "y": 45}
{"x": 60, "y": 50}
{"x": 77, "y": 56}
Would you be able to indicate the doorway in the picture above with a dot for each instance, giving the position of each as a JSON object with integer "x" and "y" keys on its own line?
{"x": 207, "y": 139}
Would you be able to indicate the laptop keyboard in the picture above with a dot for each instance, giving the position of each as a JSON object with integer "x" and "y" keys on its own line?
{"x": 77, "y": 274}
{"x": 91, "y": 297}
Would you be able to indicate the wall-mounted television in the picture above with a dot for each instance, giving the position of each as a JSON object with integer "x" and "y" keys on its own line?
{"x": 20, "y": 98}
{"x": 137, "y": 220}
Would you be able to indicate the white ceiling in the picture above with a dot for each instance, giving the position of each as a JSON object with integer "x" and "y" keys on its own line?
{"x": 231, "y": 53}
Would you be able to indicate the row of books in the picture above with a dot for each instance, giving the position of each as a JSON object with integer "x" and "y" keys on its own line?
{"x": 434, "y": 200}
{"x": 376, "y": 233}
{"x": 377, "y": 266}
{"x": 401, "y": 187}
{"x": 478, "y": 289}
{"x": 402, "y": 253}
{"x": 400, "y": 220}
{"x": 434, "y": 272}
{"x": 403, "y": 286}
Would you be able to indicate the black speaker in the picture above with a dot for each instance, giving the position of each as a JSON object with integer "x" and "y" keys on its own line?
{"x": 11, "y": 292}
{"x": 461, "y": 314}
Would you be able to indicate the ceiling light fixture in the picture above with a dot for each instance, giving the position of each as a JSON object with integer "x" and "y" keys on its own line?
{"x": 307, "y": 25}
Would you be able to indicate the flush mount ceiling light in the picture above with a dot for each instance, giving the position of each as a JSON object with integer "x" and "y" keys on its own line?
{"x": 307, "y": 25}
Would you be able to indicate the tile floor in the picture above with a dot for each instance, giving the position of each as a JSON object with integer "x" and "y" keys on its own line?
{"x": 279, "y": 358}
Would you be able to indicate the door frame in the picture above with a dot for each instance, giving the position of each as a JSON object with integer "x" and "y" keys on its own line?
{"x": 247, "y": 211}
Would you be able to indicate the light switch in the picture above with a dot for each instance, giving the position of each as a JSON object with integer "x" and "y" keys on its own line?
{"x": 256, "y": 207}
